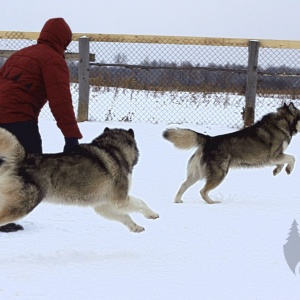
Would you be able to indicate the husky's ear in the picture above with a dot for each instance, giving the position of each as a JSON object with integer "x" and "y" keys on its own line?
{"x": 292, "y": 107}
{"x": 283, "y": 109}
{"x": 131, "y": 132}
{"x": 106, "y": 129}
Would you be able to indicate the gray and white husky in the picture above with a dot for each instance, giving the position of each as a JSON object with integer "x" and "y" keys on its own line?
{"x": 97, "y": 174}
{"x": 262, "y": 144}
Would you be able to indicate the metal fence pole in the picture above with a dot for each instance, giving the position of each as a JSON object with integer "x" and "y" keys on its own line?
{"x": 251, "y": 83}
{"x": 83, "y": 79}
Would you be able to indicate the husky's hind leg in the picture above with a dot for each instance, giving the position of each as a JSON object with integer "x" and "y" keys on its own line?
{"x": 194, "y": 173}
{"x": 210, "y": 185}
{"x": 109, "y": 211}
{"x": 191, "y": 179}
{"x": 16, "y": 204}
{"x": 215, "y": 176}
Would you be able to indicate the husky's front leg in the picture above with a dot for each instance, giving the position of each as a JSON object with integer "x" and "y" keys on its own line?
{"x": 112, "y": 213}
{"x": 133, "y": 204}
{"x": 284, "y": 159}
{"x": 138, "y": 205}
{"x": 278, "y": 169}
{"x": 291, "y": 162}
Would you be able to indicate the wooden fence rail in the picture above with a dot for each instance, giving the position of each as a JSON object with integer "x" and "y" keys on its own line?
{"x": 68, "y": 55}
{"x": 179, "y": 40}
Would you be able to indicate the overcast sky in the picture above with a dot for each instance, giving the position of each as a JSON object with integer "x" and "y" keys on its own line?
{"x": 264, "y": 19}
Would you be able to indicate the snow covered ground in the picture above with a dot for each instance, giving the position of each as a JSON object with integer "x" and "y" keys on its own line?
{"x": 116, "y": 104}
{"x": 231, "y": 250}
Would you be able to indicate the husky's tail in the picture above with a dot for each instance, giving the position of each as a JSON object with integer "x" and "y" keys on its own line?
{"x": 184, "y": 138}
{"x": 11, "y": 151}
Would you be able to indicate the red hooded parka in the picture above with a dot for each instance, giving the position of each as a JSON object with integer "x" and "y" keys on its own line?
{"x": 38, "y": 73}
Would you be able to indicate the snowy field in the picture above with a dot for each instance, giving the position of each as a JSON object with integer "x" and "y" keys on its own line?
{"x": 116, "y": 104}
{"x": 231, "y": 250}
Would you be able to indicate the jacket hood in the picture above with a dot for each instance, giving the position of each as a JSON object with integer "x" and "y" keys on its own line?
{"x": 56, "y": 33}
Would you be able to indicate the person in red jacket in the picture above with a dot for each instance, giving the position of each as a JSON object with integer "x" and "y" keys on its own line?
{"x": 29, "y": 78}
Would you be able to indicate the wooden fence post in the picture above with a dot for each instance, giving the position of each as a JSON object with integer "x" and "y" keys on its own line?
{"x": 250, "y": 96}
{"x": 83, "y": 79}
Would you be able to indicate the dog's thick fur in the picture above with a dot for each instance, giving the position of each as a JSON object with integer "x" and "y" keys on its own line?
{"x": 96, "y": 174}
{"x": 262, "y": 144}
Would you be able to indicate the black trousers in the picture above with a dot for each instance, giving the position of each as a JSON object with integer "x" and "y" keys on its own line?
{"x": 27, "y": 133}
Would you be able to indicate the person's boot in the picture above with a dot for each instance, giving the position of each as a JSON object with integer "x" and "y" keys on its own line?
{"x": 11, "y": 227}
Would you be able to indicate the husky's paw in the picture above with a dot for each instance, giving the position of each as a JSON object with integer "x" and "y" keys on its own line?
{"x": 150, "y": 214}
{"x": 136, "y": 228}
{"x": 277, "y": 170}
{"x": 212, "y": 202}
{"x": 289, "y": 169}
{"x": 153, "y": 215}
{"x": 178, "y": 201}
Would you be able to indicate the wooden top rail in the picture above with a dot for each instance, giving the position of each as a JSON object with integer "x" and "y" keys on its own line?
{"x": 154, "y": 39}
{"x": 68, "y": 55}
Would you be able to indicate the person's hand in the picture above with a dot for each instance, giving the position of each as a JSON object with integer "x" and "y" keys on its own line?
{"x": 70, "y": 142}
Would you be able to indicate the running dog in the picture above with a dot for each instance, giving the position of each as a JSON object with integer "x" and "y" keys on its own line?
{"x": 262, "y": 144}
{"x": 97, "y": 174}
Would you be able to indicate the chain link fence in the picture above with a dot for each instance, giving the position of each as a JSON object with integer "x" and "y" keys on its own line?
{"x": 177, "y": 79}
{"x": 165, "y": 83}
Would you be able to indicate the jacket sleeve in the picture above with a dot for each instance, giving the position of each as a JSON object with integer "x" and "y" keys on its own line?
{"x": 57, "y": 85}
